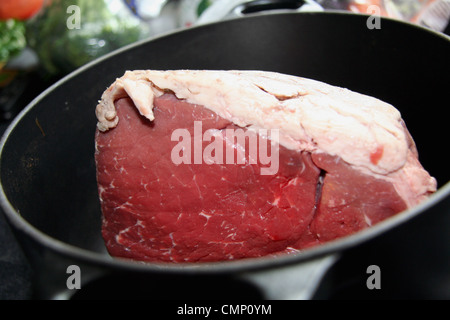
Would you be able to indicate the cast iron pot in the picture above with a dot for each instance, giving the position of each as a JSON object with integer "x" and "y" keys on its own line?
{"x": 47, "y": 169}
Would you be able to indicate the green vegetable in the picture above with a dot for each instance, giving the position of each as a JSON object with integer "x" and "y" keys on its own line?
{"x": 12, "y": 39}
{"x": 105, "y": 25}
{"x": 202, "y": 6}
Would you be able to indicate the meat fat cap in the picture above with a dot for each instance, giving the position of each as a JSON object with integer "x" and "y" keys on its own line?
{"x": 310, "y": 115}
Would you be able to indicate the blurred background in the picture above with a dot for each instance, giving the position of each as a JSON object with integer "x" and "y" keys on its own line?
{"x": 43, "y": 40}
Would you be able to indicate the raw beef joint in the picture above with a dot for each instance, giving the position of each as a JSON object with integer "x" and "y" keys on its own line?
{"x": 216, "y": 165}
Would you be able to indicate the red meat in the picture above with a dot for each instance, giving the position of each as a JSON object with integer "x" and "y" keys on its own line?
{"x": 157, "y": 210}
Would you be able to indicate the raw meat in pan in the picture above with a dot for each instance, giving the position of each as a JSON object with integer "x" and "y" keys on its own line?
{"x": 218, "y": 165}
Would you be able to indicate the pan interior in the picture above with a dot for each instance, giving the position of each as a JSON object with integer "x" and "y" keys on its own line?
{"x": 47, "y": 161}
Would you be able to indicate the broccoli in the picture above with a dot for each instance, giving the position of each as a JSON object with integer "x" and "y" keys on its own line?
{"x": 12, "y": 39}
{"x": 105, "y": 26}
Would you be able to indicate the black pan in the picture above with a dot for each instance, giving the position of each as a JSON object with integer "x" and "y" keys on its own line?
{"x": 47, "y": 170}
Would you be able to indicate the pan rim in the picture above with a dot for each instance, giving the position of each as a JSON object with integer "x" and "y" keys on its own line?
{"x": 246, "y": 264}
